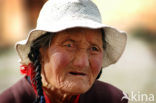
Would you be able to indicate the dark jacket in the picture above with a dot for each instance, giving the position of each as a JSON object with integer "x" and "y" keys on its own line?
{"x": 22, "y": 92}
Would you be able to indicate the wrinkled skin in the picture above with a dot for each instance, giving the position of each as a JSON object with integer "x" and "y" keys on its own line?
{"x": 73, "y": 60}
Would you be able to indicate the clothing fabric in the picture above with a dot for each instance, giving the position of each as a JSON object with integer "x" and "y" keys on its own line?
{"x": 100, "y": 92}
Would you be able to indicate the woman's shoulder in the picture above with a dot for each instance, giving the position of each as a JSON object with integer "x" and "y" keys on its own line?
{"x": 102, "y": 92}
{"x": 103, "y": 88}
{"x": 20, "y": 92}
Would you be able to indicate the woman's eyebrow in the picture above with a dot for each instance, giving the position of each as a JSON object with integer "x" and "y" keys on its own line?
{"x": 95, "y": 44}
{"x": 69, "y": 40}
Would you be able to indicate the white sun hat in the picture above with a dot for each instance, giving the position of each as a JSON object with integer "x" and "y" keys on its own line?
{"x": 58, "y": 15}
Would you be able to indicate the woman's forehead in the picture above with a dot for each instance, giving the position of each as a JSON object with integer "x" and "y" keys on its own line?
{"x": 80, "y": 33}
{"x": 81, "y": 30}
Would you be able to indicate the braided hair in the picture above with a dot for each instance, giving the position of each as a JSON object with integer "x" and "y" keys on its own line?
{"x": 35, "y": 57}
{"x": 44, "y": 41}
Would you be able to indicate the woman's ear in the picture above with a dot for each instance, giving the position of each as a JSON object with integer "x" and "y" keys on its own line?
{"x": 43, "y": 55}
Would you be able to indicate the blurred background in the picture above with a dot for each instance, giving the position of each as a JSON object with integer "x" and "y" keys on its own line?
{"x": 136, "y": 69}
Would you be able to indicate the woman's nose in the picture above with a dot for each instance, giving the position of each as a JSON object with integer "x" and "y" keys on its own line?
{"x": 81, "y": 60}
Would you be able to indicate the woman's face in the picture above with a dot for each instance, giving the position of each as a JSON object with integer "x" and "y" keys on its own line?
{"x": 73, "y": 60}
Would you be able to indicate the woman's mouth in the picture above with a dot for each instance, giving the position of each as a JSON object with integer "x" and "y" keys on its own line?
{"x": 77, "y": 73}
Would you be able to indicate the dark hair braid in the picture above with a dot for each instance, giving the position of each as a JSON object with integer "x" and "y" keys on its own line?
{"x": 34, "y": 55}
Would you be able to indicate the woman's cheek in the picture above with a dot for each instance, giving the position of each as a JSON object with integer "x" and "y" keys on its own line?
{"x": 60, "y": 60}
{"x": 96, "y": 64}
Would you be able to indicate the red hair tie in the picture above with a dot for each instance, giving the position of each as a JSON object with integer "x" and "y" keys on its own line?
{"x": 27, "y": 69}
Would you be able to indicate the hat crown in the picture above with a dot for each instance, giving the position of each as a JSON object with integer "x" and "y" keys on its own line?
{"x": 58, "y": 15}
{"x": 56, "y": 12}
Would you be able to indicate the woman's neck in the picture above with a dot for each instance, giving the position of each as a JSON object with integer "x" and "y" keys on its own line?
{"x": 58, "y": 96}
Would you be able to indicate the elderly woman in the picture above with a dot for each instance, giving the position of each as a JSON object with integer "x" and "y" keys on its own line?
{"x": 63, "y": 57}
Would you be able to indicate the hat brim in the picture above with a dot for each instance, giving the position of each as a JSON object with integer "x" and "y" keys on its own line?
{"x": 115, "y": 41}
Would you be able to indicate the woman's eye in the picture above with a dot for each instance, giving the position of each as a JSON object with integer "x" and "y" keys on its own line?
{"x": 94, "y": 48}
{"x": 68, "y": 45}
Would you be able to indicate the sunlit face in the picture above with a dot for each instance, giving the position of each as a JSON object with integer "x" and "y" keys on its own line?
{"x": 73, "y": 60}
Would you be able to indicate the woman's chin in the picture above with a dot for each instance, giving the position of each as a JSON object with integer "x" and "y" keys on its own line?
{"x": 76, "y": 87}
